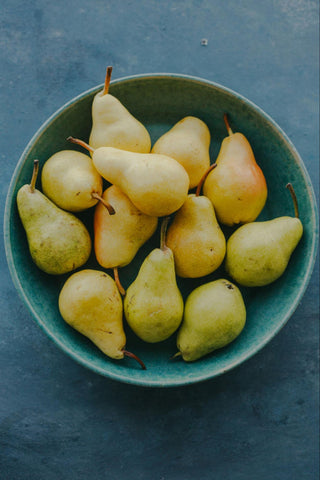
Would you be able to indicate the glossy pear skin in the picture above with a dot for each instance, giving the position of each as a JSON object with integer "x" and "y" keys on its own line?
{"x": 237, "y": 187}
{"x": 196, "y": 239}
{"x": 187, "y": 142}
{"x": 156, "y": 184}
{"x": 214, "y": 316}
{"x": 69, "y": 179}
{"x": 153, "y": 304}
{"x": 114, "y": 126}
{"x": 118, "y": 237}
{"x": 90, "y": 302}
{"x": 258, "y": 253}
{"x": 58, "y": 241}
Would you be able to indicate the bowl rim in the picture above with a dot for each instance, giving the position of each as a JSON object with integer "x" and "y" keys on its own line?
{"x": 124, "y": 378}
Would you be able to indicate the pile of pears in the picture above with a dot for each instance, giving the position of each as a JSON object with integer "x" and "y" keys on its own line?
{"x": 132, "y": 188}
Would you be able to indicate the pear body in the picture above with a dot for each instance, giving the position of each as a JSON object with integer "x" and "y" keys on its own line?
{"x": 153, "y": 304}
{"x": 188, "y": 142}
{"x": 58, "y": 241}
{"x": 196, "y": 239}
{"x": 114, "y": 126}
{"x": 214, "y": 316}
{"x": 258, "y": 253}
{"x": 69, "y": 179}
{"x": 156, "y": 184}
{"x": 237, "y": 187}
{"x": 90, "y": 302}
{"x": 118, "y": 237}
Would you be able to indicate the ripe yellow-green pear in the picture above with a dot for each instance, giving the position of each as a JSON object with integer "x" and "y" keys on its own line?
{"x": 114, "y": 126}
{"x": 58, "y": 241}
{"x": 195, "y": 237}
{"x": 153, "y": 304}
{"x": 156, "y": 184}
{"x": 90, "y": 302}
{"x": 237, "y": 187}
{"x": 71, "y": 181}
{"x": 214, "y": 316}
{"x": 258, "y": 253}
{"x": 118, "y": 237}
{"x": 188, "y": 142}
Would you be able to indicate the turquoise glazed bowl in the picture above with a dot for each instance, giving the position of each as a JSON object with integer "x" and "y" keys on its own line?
{"x": 159, "y": 101}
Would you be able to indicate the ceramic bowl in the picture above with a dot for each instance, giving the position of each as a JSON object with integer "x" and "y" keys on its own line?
{"x": 159, "y": 101}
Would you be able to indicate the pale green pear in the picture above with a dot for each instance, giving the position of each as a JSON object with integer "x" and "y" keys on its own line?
{"x": 71, "y": 181}
{"x": 114, "y": 126}
{"x": 58, "y": 241}
{"x": 90, "y": 302}
{"x": 118, "y": 237}
{"x": 153, "y": 304}
{"x": 188, "y": 142}
{"x": 214, "y": 316}
{"x": 195, "y": 237}
{"x": 258, "y": 253}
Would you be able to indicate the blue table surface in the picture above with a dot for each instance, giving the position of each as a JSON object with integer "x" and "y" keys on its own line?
{"x": 57, "y": 419}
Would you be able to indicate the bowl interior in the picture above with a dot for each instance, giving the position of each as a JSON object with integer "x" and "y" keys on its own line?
{"x": 159, "y": 101}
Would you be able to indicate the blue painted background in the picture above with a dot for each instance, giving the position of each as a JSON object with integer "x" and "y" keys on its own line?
{"x": 60, "y": 421}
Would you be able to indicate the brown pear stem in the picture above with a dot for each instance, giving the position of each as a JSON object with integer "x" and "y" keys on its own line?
{"x": 135, "y": 357}
{"x": 109, "y": 207}
{"x": 107, "y": 81}
{"x": 117, "y": 280}
{"x": 81, "y": 143}
{"x": 176, "y": 355}
{"x": 163, "y": 232}
{"x": 226, "y": 121}
{"x": 34, "y": 175}
{"x": 294, "y": 199}
{"x": 204, "y": 176}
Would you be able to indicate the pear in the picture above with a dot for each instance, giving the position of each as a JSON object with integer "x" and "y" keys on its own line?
{"x": 153, "y": 304}
{"x": 90, "y": 302}
{"x": 258, "y": 253}
{"x": 156, "y": 184}
{"x": 113, "y": 125}
{"x": 70, "y": 180}
{"x": 215, "y": 314}
{"x": 188, "y": 142}
{"x": 58, "y": 241}
{"x": 195, "y": 237}
{"x": 237, "y": 188}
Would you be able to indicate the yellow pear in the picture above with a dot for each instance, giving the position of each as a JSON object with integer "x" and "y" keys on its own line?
{"x": 188, "y": 142}
{"x": 90, "y": 302}
{"x": 195, "y": 237}
{"x": 114, "y": 126}
{"x": 237, "y": 187}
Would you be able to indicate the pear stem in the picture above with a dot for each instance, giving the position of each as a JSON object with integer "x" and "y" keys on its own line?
{"x": 163, "y": 231}
{"x": 176, "y": 355}
{"x": 34, "y": 175}
{"x": 135, "y": 357}
{"x": 294, "y": 199}
{"x": 107, "y": 81}
{"x": 109, "y": 207}
{"x": 81, "y": 143}
{"x": 204, "y": 176}
{"x": 226, "y": 121}
{"x": 117, "y": 280}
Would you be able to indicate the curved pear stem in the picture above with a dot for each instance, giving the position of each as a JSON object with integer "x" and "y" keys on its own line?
{"x": 81, "y": 143}
{"x": 109, "y": 207}
{"x": 135, "y": 357}
{"x": 107, "y": 81}
{"x": 34, "y": 175}
{"x": 226, "y": 121}
{"x": 294, "y": 199}
{"x": 204, "y": 176}
{"x": 163, "y": 232}
{"x": 176, "y": 355}
{"x": 117, "y": 280}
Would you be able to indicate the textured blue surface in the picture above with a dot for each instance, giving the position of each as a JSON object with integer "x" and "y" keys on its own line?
{"x": 59, "y": 420}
